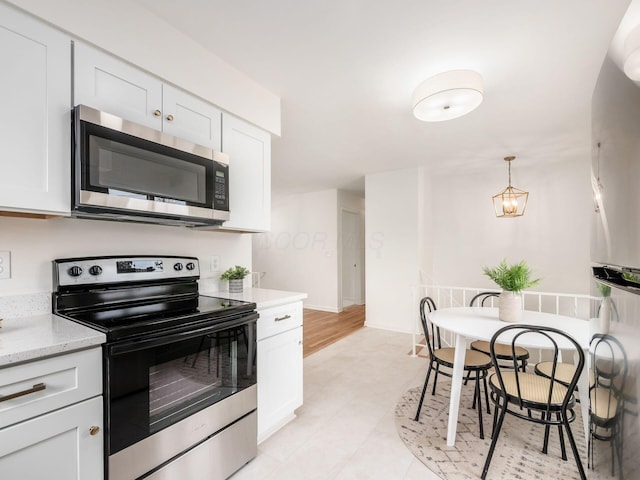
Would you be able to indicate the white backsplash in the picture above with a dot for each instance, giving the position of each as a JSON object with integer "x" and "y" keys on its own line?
{"x": 18, "y": 306}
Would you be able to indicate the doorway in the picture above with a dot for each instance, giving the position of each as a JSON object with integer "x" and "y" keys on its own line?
{"x": 352, "y": 259}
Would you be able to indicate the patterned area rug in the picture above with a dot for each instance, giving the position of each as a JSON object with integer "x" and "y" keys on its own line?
{"x": 518, "y": 452}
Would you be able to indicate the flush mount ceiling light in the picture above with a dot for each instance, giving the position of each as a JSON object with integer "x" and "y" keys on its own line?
{"x": 511, "y": 201}
{"x": 447, "y": 95}
{"x": 632, "y": 54}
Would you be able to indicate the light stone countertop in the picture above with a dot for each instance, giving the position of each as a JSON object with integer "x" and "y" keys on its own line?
{"x": 36, "y": 336}
{"x": 30, "y": 338}
{"x": 262, "y": 297}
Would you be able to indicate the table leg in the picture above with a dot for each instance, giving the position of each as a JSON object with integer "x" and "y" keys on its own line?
{"x": 456, "y": 388}
{"x": 583, "y": 390}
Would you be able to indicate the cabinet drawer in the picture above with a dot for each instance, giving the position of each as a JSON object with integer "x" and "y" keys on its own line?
{"x": 279, "y": 319}
{"x": 66, "y": 379}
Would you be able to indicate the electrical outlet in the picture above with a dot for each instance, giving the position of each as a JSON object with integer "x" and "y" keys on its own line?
{"x": 5, "y": 264}
{"x": 215, "y": 263}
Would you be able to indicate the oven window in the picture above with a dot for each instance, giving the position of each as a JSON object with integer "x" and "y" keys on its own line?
{"x": 153, "y": 388}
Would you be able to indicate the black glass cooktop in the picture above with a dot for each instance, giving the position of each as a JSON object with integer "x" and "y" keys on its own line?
{"x": 152, "y": 316}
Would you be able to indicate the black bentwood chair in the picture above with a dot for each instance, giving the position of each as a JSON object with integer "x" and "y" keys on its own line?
{"x": 475, "y": 363}
{"x": 607, "y": 396}
{"x": 519, "y": 393}
{"x": 503, "y": 352}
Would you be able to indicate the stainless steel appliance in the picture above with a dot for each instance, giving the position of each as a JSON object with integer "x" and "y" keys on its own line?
{"x": 128, "y": 172}
{"x": 615, "y": 177}
{"x": 179, "y": 367}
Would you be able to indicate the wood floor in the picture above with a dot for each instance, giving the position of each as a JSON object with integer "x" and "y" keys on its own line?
{"x": 324, "y": 328}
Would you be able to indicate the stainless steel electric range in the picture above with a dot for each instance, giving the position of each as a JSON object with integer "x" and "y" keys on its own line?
{"x": 179, "y": 367}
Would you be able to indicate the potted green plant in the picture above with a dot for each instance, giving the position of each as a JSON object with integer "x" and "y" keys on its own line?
{"x": 512, "y": 279}
{"x": 235, "y": 275}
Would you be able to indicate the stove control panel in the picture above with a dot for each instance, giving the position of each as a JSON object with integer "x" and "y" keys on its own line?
{"x": 98, "y": 270}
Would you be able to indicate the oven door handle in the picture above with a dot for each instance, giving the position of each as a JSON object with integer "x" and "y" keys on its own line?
{"x": 173, "y": 337}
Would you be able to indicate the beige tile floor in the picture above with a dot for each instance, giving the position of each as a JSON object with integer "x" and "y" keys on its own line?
{"x": 345, "y": 430}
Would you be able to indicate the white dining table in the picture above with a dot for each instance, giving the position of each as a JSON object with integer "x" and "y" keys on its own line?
{"x": 481, "y": 323}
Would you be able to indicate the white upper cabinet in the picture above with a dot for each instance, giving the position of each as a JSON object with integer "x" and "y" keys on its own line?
{"x": 107, "y": 83}
{"x": 35, "y": 167}
{"x": 188, "y": 117}
{"x": 249, "y": 150}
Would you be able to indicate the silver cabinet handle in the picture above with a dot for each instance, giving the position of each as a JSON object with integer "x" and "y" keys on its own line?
{"x": 36, "y": 388}
{"x": 279, "y": 319}
{"x": 94, "y": 430}
{"x": 170, "y": 117}
{"x": 157, "y": 113}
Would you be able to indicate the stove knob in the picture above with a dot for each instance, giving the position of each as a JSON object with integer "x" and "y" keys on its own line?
{"x": 177, "y": 267}
{"x": 95, "y": 270}
{"x": 75, "y": 271}
{"x": 191, "y": 266}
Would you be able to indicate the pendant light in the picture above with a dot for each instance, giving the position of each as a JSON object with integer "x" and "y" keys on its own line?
{"x": 511, "y": 201}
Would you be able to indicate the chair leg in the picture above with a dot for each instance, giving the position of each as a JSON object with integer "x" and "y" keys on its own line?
{"x": 494, "y": 439}
{"x": 618, "y": 441}
{"x": 563, "y": 450}
{"x": 424, "y": 390}
{"x": 198, "y": 352}
{"x": 574, "y": 448}
{"x": 435, "y": 379}
{"x": 479, "y": 397}
{"x": 466, "y": 380}
{"x": 545, "y": 443}
{"x": 486, "y": 391}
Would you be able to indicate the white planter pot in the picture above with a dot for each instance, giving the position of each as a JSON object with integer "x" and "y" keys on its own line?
{"x": 604, "y": 315}
{"x": 235, "y": 285}
{"x": 510, "y": 307}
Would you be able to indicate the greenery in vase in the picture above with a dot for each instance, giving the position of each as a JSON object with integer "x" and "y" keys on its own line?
{"x": 513, "y": 278}
{"x": 605, "y": 290}
{"x": 235, "y": 273}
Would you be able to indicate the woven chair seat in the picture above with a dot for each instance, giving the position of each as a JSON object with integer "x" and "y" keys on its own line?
{"x": 534, "y": 389}
{"x": 472, "y": 358}
{"x": 503, "y": 352}
{"x": 564, "y": 371}
{"x": 604, "y": 406}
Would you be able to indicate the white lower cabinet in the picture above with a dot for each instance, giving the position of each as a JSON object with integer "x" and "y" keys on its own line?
{"x": 62, "y": 444}
{"x": 51, "y": 421}
{"x": 279, "y": 367}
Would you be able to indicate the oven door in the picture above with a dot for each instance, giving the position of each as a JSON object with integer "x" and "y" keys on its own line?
{"x": 121, "y": 167}
{"x": 156, "y": 382}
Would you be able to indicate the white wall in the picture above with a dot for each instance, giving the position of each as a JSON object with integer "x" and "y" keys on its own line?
{"x": 300, "y": 253}
{"x": 393, "y": 237}
{"x": 34, "y": 243}
{"x": 127, "y": 30}
{"x": 552, "y": 236}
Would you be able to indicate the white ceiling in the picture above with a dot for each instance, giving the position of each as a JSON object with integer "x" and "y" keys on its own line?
{"x": 345, "y": 71}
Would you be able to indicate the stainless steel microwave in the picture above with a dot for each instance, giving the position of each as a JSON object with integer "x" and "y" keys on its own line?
{"x": 128, "y": 172}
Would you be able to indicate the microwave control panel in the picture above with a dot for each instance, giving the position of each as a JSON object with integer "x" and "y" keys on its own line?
{"x": 221, "y": 187}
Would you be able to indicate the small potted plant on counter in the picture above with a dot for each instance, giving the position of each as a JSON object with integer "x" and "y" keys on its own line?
{"x": 235, "y": 275}
{"x": 512, "y": 279}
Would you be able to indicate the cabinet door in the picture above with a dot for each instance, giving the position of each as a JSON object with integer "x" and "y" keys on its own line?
{"x": 55, "y": 445}
{"x": 35, "y": 169}
{"x": 249, "y": 150}
{"x": 188, "y": 117}
{"x": 107, "y": 83}
{"x": 279, "y": 380}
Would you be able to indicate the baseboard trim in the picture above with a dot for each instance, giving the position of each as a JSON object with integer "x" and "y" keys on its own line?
{"x": 321, "y": 308}
{"x": 385, "y": 327}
